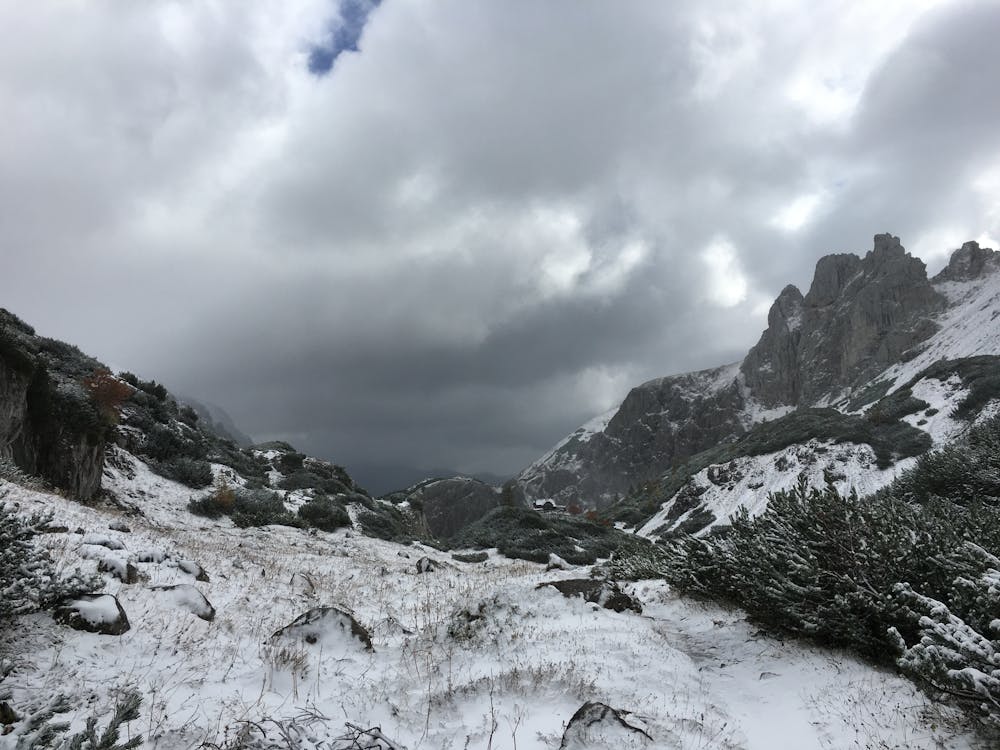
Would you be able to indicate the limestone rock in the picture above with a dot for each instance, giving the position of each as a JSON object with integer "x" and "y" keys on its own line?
{"x": 322, "y": 624}
{"x": 188, "y": 597}
{"x": 597, "y": 726}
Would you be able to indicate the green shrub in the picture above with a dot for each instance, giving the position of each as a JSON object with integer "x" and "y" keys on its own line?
{"x": 524, "y": 534}
{"x": 324, "y": 514}
{"x": 188, "y": 471}
{"x": 29, "y": 579}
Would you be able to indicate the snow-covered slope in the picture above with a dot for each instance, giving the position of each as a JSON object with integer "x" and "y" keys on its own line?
{"x": 464, "y": 656}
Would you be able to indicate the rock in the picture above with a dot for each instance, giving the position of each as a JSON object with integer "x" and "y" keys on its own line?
{"x": 124, "y": 571}
{"x": 100, "y": 540}
{"x": 94, "y": 613}
{"x": 607, "y": 594}
{"x": 151, "y": 556}
{"x": 188, "y": 597}
{"x": 470, "y": 557}
{"x": 303, "y": 582}
{"x": 325, "y": 625}
{"x": 597, "y": 726}
{"x": 53, "y": 529}
{"x": 401, "y": 553}
{"x": 557, "y": 563}
{"x": 193, "y": 569}
{"x": 427, "y": 565}
{"x": 7, "y": 714}
{"x": 119, "y": 526}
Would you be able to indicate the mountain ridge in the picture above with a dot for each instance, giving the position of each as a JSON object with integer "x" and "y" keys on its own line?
{"x": 862, "y": 319}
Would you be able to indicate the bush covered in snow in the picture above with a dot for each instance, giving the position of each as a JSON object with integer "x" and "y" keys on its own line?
{"x": 29, "y": 580}
{"x": 910, "y": 571}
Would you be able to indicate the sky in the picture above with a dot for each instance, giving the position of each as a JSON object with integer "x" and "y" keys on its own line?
{"x": 445, "y": 234}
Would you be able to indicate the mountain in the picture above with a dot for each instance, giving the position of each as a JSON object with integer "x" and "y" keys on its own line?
{"x": 830, "y": 392}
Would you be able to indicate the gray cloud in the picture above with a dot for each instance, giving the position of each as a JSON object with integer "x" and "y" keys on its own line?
{"x": 481, "y": 227}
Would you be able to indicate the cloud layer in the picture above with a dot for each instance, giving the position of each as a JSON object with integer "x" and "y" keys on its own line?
{"x": 482, "y": 222}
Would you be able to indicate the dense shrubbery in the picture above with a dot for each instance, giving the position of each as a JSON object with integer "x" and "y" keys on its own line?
{"x": 527, "y": 535}
{"x": 911, "y": 570}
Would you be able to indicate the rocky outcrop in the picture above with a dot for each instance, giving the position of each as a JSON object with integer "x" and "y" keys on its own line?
{"x": 49, "y": 425}
{"x": 859, "y": 317}
{"x": 968, "y": 263}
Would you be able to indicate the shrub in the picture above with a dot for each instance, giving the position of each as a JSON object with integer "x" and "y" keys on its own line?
{"x": 108, "y": 392}
{"x": 262, "y": 508}
{"x": 524, "y": 534}
{"x": 324, "y": 514}
{"x": 29, "y": 580}
{"x": 188, "y": 471}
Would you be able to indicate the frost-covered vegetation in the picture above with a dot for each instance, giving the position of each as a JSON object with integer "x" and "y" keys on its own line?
{"x": 909, "y": 574}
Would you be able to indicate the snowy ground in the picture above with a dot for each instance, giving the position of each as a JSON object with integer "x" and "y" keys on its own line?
{"x": 510, "y": 676}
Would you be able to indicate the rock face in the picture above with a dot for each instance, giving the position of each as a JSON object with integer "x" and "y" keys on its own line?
{"x": 860, "y": 316}
{"x": 661, "y": 422}
{"x": 969, "y": 262}
{"x": 49, "y": 425}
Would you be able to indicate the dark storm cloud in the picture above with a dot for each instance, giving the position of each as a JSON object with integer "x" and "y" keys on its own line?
{"x": 486, "y": 224}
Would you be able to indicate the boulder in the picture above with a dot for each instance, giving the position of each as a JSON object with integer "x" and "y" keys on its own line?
{"x": 325, "y": 625}
{"x": 596, "y": 726}
{"x": 94, "y": 613}
{"x": 193, "y": 569}
{"x": 470, "y": 557}
{"x": 188, "y": 597}
{"x": 427, "y": 565}
{"x": 151, "y": 556}
{"x": 606, "y": 594}
{"x": 99, "y": 540}
{"x": 124, "y": 571}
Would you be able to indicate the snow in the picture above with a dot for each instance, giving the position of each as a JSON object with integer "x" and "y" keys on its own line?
{"x": 969, "y": 327}
{"x": 748, "y": 481}
{"x": 942, "y": 397}
{"x": 509, "y": 673}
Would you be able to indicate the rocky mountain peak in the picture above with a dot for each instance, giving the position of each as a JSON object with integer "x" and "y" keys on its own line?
{"x": 859, "y": 316}
{"x": 969, "y": 262}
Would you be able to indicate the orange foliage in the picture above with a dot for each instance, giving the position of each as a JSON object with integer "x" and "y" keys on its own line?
{"x": 108, "y": 392}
